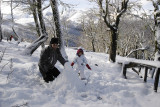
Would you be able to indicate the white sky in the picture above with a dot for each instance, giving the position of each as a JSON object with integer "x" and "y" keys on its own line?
{"x": 84, "y": 4}
{"x": 78, "y": 5}
{"x": 147, "y": 5}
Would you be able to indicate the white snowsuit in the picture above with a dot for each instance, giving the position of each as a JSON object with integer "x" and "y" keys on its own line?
{"x": 81, "y": 63}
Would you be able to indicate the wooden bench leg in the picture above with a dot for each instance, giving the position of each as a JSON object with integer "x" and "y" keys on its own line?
{"x": 156, "y": 81}
{"x": 124, "y": 71}
{"x": 135, "y": 71}
{"x": 153, "y": 70}
{"x": 145, "y": 74}
{"x": 139, "y": 70}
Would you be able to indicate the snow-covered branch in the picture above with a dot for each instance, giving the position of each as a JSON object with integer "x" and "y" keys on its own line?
{"x": 56, "y": 19}
{"x": 30, "y": 49}
{"x": 44, "y": 35}
{"x": 26, "y": 104}
{"x": 46, "y": 6}
{"x": 139, "y": 49}
{"x": 123, "y": 10}
{"x": 105, "y": 12}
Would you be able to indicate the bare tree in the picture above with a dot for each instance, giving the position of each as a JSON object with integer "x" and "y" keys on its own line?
{"x": 11, "y": 5}
{"x": 157, "y": 22}
{"x": 66, "y": 24}
{"x": 1, "y": 37}
{"x": 44, "y": 36}
{"x": 94, "y": 32}
{"x": 33, "y": 8}
{"x": 156, "y": 4}
{"x": 58, "y": 25}
{"x": 112, "y": 19}
{"x": 56, "y": 21}
{"x": 135, "y": 34}
{"x": 90, "y": 28}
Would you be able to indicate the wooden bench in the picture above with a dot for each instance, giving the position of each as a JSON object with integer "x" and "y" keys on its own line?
{"x": 141, "y": 63}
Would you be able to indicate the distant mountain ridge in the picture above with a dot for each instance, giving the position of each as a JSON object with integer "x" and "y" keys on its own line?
{"x": 25, "y": 32}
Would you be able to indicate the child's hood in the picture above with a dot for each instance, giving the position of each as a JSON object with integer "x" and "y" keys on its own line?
{"x": 80, "y": 50}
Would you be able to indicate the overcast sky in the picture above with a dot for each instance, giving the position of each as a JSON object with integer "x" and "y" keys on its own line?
{"x": 85, "y": 4}
{"x": 78, "y": 5}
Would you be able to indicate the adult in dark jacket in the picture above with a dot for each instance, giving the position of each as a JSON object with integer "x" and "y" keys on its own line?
{"x": 48, "y": 59}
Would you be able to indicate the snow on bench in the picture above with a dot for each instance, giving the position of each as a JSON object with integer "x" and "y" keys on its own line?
{"x": 130, "y": 63}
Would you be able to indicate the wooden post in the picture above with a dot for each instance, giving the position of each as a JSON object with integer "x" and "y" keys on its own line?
{"x": 156, "y": 81}
{"x": 145, "y": 74}
{"x": 139, "y": 69}
{"x": 124, "y": 71}
{"x": 153, "y": 70}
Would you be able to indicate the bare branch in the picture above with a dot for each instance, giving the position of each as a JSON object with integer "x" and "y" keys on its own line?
{"x": 102, "y": 11}
{"x": 123, "y": 10}
{"x": 1, "y": 57}
{"x": 4, "y": 66}
{"x": 105, "y": 12}
{"x": 15, "y": 6}
{"x": 21, "y": 1}
{"x": 46, "y": 7}
{"x": 11, "y": 68}
{"x": 139, "y": 49}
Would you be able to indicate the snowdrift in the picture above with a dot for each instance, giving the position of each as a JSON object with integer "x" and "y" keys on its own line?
{"x": 21, "y": 84}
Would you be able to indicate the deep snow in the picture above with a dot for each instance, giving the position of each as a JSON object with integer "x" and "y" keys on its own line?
{"x": 106, "y": 88}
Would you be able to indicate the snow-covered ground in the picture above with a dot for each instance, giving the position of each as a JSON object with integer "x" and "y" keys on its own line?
{"x": 21, "y": 84}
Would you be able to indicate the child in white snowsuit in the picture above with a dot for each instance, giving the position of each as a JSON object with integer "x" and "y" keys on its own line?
{"x": 81, "y": 61}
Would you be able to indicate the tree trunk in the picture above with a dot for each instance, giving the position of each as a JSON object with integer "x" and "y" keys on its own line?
{"x": 12, "y": 11}
{"x": 34, "y": 12}
{"x": 155, "y": 50}
{"x": 103, "y": 39}
{"x": 34, "y": 9}
{"x": 40, "y": 15}
{"x": 113, "y": 46}
{"x": 157, "y": 26}
{"x": 41, "y": 21}
{"x": 44, "y": 36}
{"x": 1, "y": 37}
{"x": 104, "y": 12}
{"x": 158, "y": 34}
{"x": 58, "y": 27}
{"x": 136, "y": 52}
{"x": 93, "y": 47}
{"x": 37, "y": 25}
{"x": 56, "y": 21}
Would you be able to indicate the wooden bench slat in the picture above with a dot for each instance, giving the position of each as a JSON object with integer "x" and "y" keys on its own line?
{"x": 140, "y": 64}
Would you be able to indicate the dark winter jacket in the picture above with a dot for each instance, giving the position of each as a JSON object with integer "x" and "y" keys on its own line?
{"x": 48, "y": 59}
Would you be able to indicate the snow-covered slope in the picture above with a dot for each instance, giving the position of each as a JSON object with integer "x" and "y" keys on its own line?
{"x": 22, "y": 31}
{"x": 73, "y": 15}
{"x": 22, "y": 85}
{"x": 23, "y": 21}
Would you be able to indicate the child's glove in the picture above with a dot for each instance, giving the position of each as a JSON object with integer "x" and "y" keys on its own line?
{"x": 72, "y": 64}
{"x": 88, "y": 66}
